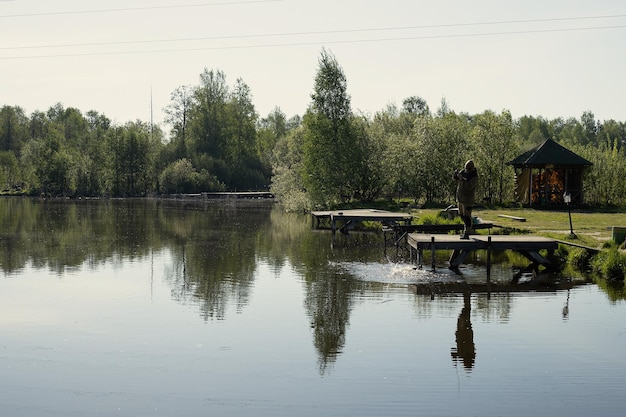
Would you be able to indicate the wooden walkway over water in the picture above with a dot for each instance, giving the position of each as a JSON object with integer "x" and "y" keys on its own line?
{"x": 528, "y": 245}
{"x": 421, "y": 238}
{"x": 221, "y": 195}
{"x": 346, "y": 220}
{"x": 400, "y": 231}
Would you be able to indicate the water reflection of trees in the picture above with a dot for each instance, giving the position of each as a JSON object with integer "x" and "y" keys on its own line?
{"x": 214, "y": 249}
{"x": 615, "y": 291}
{"x": 59, "y": 235}
{"x": 212, "y": 244}
{"x": 329, "y": 292}
{"x": 329, "y": 300}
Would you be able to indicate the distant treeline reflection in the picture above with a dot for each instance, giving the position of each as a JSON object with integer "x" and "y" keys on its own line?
{"x": 216, "y": 247}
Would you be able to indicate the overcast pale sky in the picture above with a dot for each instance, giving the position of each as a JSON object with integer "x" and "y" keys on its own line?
{"x": 550, "y": 58}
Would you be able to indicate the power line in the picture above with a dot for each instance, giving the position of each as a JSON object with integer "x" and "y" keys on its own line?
{"x": 353, "y": 41}
{"x": 327, "y": 32}
{"x": 132, "y": 9}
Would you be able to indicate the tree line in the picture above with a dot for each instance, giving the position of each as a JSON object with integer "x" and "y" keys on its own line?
{"x": 216, "y": 144}
{"x": 337, "y": 156}
{"x": 330, "y": 155}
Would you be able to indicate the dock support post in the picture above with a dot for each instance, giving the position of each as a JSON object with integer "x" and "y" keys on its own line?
{"x": 432, "y": 252}
{"x": 333, "y": 228}
{"x": 488, "y": 259}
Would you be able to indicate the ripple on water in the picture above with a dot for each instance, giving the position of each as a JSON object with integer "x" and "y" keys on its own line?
{"x": 396, "y": 273}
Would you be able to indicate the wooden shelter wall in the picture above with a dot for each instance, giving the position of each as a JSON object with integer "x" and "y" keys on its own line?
{"x": 546, "y": 186}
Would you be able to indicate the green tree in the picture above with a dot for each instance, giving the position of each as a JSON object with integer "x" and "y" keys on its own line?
{"x": 240, "y": 146}
{"x": 241, "y": 140}
{"x": 531, "y": 131}
{"x": 74, "y": 148}
{"x": 493, "y": 146}
{"x": 403, "y": 133}
{"x": 215, "y": 127}
{"x": 287, "y": 184}
{"x": 38, "y": 123}
{"x": 415, "y": 105}
{"x": 442, "y": 143}
{"x": 132, "y": 155}
{"x": 177, "y": 114}
{"x": 571, "y": 133}
{"x": 50, "y": 163}
{"x": 399, "y": 152}
{"x": 604, "y": 180}
{"x": 208, "y": 115}
{"x": 10, "y": 175}
{"x": 366, "y": 178}
{"x": 404, "y": 167}
{"x": 92, "y": 157}
{"x": 182, "y": 177}
{"x": 334, "y": 147}
{"x": 612, "y": 133}
{"x": 13, "y": 129}
{"x": 270, "y": 129}
{"x": 590, "y": 127}
{"x": 75, "y": 129}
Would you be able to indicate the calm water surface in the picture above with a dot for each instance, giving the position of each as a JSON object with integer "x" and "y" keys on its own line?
{"x": 237, "y": 309}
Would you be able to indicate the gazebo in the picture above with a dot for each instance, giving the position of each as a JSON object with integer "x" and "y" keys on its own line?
{"x": 544, "y": 173}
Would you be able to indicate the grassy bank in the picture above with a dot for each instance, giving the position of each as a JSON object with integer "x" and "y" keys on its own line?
{"x": 591, "y": 229}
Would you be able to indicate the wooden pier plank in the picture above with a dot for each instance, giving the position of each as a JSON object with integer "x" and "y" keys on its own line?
{"x": 350, "y": 218}
{"x": 527, "y": 245}
{"x": 440, "y": 228}
{"x": 498, "y": 242}
{"x": 516, "y": 218}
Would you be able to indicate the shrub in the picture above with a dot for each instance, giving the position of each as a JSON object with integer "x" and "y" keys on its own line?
{"x": 435, "y": 219}
{"x": 611, "y": 264}
{"x": 579, "y": 258}
{"x": 182, "y": 177}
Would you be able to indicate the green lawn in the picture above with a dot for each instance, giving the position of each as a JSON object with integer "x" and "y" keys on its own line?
{"x": 590, "y": 227}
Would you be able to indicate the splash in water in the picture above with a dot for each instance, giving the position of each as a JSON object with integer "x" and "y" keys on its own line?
{"x": 396, "y": 273}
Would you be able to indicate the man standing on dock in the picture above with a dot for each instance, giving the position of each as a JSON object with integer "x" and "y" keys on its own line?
{"x": 467, "y": 180}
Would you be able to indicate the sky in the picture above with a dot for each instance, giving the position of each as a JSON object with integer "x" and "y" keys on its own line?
{"x": 124, "y": 58}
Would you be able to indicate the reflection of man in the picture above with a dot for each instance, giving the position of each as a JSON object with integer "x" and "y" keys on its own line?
{"x": 464, "y": 350}
{"x": 467, "y": 180}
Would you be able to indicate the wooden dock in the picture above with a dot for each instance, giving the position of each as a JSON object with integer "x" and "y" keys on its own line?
{"x": 220, "y": 195}
{"x": 400, "y": 231}
{"x": 346, "y": 220}
{"x": 239, "y": 194}
{"x": 528, "y": 245}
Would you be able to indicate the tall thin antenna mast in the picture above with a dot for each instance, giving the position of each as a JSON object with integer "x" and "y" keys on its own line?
{"x": 151, "y": 116}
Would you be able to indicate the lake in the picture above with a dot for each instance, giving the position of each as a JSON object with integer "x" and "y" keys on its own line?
{"x": 235, "y": 308}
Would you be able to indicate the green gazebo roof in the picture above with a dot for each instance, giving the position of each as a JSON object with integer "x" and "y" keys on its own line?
{"x": 548, "y": 153}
